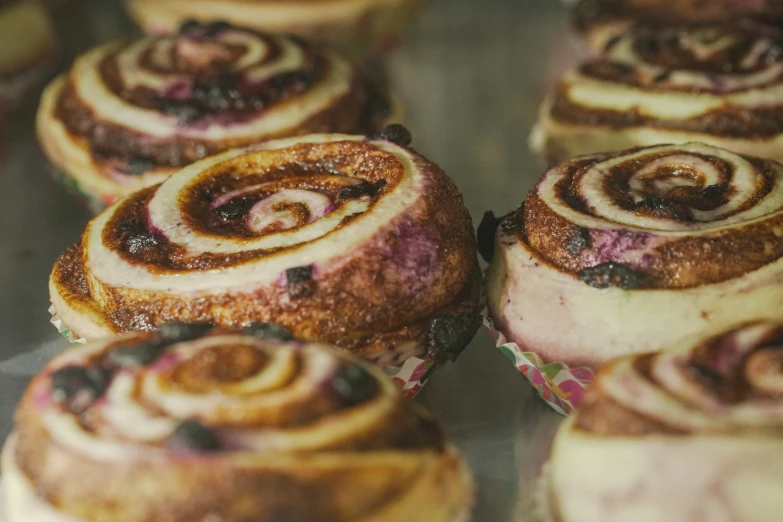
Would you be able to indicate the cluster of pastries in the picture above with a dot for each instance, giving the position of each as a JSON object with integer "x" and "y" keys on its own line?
{"x": 267, "y": 245}
{"x": 271, "y": 237}
{"x": 651, "y": 251}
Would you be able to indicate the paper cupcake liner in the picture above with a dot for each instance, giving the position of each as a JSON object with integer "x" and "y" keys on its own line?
{"x": 561, "y": 386}
{"x": 410, "y": 378}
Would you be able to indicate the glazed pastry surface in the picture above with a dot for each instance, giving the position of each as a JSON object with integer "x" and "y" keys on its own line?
{"x": 687, "y": 434}
{"x": 360, "y": 28}
{"x": 712, "y": 83}
{"x": 622, "y": 253}
{"x": 602, "y": 20}
{"x": 352, "y": 240}
{"x": 130, "y": 113}
{"x": 181, "y": 425}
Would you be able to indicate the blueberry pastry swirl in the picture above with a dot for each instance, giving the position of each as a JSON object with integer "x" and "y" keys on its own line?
{"x": 129, "y": 114}
{"x": 716, "y": 84}
{"x": 357, "y": 241}
{"x": 360, "y": 28}
{"x": 688, "y": 434}
{"x": 623, "y": 253}
{"x": 183, "y": 425}
{"x": 602, "y": 20}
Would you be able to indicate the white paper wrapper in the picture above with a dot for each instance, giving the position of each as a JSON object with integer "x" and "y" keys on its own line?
{"x": 410, "y": 377}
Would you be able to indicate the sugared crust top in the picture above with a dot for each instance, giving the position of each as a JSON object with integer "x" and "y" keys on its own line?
{"x": 179, "y": 425}
{"x": 716, "y": 80}
{"x": 658, "y": 217}
{"x": 727, "y": 383}
{"x": 338, "y": 238}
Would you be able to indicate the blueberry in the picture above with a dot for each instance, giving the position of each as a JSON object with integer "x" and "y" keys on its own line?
{"x": 138, "y": 165}
{"x": 78, "y": 387}
{"x": 132, "y": 355}
{"x": 192, "y": 435}
{"x": 171, "y": 333}
{"x": 485, "y": 235}
{"x": 217, "y": 93}
{"x": 300, "y": 281}
{"x": 578, "y": 240}
{"x": 449, "y": 336}
{"x": 184, "y": 113}
{"x": 665, "y": 208}
{"x": 608, "y": 275}
{"x": 270, "y": 331}
{"x": 354, "y": 385}
{"x": 188, "y": 26}
{"x": 215, "y": 28}
{"x": 712, "y": 193}
{"x": 362, "y": 189}
{"x": 234, "y": 209}
{"x": 394, "y": 133}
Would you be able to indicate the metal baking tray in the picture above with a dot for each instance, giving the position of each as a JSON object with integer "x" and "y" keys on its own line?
{"x": 471, "y": 74}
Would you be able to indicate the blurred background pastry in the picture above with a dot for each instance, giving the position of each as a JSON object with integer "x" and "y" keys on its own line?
{"x": 27, "y": 47}
{"x": 130, "y": 113}
{"x": 180, "y": 425}
{"x": 358, "y": 27}
{"x": 691, "y": 433}
{"x": 602, "y": 20}
{"x": 623, "y": 253}
{"x": 360, "y": 242}
{"x": 711, "y": 83}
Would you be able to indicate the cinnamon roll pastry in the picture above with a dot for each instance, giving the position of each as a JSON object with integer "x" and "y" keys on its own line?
{"x": 359, "y": 28}
{"x": 622, "y": 253}
{"x": 129, "y": 114}
{"x": 601, "y": 20}
{"x": 182, "y": 426}
{"x": 27, "y": 44}
{"x": 716, "y": 84}
{"x": 357, "y": 241}
{"x": 689, "y": 434}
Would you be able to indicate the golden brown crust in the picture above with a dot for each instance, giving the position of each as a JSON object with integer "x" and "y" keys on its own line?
{"x": 364, "y": 470}
{"x": 576, "y": 235}
{"x": 591, "y": 13}
{"x": 719, "y": 60}
{"x": 671, "y": 392}
{"x": 209, "y": 88}
{"x": 387, "y": 294}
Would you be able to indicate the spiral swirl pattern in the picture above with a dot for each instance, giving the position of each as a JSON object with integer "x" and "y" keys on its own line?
{"x": 355, "y": 241}
{"x": 357, "y": 28}
{"x": 715, "y": 84}
{"x": 602, "y": 20}
{"x": 255, "y": 428}
{"x": 684, "y": 233}
{"x": 700, "y": 424}
{"x": 130, "y": 113}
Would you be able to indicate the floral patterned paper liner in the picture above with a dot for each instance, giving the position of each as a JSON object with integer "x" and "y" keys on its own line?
{"x": 410, "y": 377}
{"x": 561, "y": 386}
